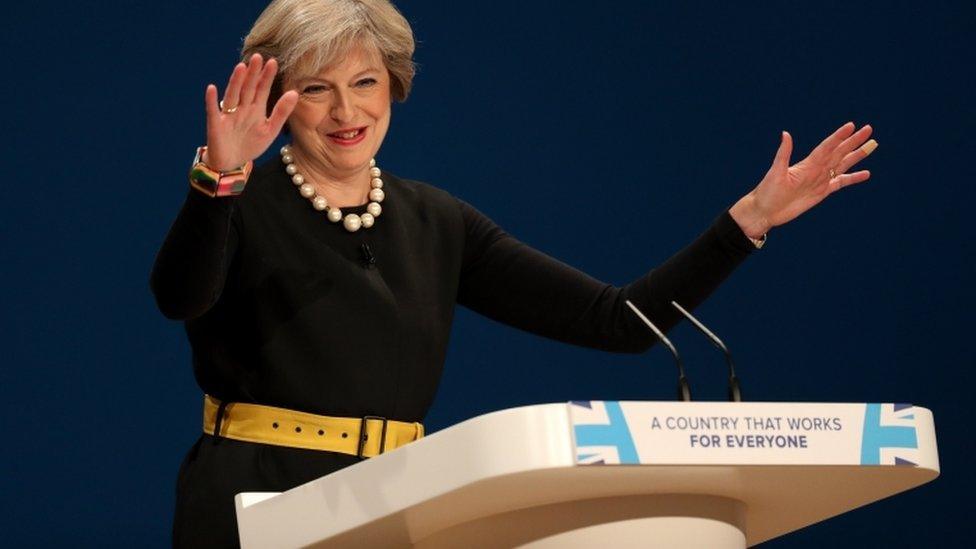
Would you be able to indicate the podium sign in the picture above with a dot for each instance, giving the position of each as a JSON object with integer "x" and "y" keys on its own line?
{"x": 610, "y": 432}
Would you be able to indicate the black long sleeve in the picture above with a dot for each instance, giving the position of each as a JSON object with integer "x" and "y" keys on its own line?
{"x": 192, "y": 263}
{"x": 513, "y": 283}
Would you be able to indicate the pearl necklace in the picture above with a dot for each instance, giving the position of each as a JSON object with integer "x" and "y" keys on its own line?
{"x": 351, "y": 222}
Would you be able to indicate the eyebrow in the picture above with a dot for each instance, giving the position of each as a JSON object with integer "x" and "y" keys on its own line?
{"x": 361, "y": 73}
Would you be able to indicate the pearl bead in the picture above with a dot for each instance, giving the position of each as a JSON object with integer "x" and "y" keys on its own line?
{"x": 372, "y": 162}
{"x": 297, "y": 179}
{"x": 320, "y": 203}
{"x": 367, "y": 220}
{"x": 375, "y": 172}
{"x": 374, "y": 209}
{"x": 376, "y": 183}
{"x": 291, "y": 169}
{"x": 307, "y": 190}
{"x": 334, "y": 215}
{"x": 352, "y": 223}
{"x": 377, "y": 195}
{"x": 287, "y": 158}
{"x": 285, "y": 150}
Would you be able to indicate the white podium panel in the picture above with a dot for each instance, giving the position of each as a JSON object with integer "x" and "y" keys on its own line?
{"x": 590, "y": 474}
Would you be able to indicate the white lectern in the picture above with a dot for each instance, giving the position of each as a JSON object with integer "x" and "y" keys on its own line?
{"x": 609, "y": 474}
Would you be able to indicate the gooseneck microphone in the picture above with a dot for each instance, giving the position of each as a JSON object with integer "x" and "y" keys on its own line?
{"x": 735, "y": 395}
{"x": 684, "y": 390}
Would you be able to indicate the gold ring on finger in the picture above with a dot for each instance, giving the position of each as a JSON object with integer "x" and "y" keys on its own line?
{"x": 832, "y": 173}
{"x": 231, "y": 110}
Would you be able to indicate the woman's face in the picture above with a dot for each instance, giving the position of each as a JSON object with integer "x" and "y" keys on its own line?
{"x": 343, "y": 113}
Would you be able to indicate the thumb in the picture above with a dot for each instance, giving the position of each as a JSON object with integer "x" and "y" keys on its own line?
{"x": 782, "y": 160}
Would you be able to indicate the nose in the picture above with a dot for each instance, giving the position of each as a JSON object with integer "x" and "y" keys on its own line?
{"x": 342, "y": 108}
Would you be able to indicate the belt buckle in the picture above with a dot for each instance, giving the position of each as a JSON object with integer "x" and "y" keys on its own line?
{"x": 363, "y": 435}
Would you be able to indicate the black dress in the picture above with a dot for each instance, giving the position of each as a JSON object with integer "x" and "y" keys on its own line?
{"x": 286, "y": 309}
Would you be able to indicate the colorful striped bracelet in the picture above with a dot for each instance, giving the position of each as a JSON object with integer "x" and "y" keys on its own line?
{"x": 214, "y": 183}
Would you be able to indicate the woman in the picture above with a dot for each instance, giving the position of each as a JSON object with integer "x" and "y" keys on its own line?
{"x": 318, "y": 290}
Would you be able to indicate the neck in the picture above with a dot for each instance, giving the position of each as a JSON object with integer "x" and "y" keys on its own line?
{"x": 341, "y": 189}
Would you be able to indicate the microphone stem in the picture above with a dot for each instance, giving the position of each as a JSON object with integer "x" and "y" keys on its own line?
{"x": 684, "y": 389}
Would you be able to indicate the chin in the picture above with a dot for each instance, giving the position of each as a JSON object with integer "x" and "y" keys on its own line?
{"x": 353, "y": 164}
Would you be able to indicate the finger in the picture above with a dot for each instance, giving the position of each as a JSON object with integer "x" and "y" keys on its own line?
{"x": 210, "y": 102}
{"x": 782, "y": 160}
{"x": 855, "y": 140}
{"x": 213, "y": 113}
{"x": 254, "y": 67}
{"x": 848, "y": 179}
{"x": 828, "y": 145}
{"x": 264, "y": 85}
{"x": 857, "y": 155}
{"x": 282, "y": 110}
{"x": 233, "y": 92}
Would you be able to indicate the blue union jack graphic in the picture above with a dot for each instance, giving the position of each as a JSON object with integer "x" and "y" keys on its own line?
{"x": 887, "y": 426}
{"x": 607, "y": 442}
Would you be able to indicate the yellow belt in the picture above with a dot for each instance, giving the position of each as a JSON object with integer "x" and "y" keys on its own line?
{"x": 364, "y": 437}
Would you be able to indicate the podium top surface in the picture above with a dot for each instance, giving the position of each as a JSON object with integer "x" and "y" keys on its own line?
{"x": 791, "y": 464}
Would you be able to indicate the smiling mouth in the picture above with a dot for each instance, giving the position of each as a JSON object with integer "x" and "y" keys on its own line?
{"x": 347, "y": 135}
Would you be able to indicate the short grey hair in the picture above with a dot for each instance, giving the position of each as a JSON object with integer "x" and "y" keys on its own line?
{"x": 306, "y": 36}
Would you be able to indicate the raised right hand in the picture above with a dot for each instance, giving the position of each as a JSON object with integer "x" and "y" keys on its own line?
{"x": 234, "y": 138}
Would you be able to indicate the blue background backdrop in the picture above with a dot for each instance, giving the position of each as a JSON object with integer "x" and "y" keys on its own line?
{"x": 607, "y": 134}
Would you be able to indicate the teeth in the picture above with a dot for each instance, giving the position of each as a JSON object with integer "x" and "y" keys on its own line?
{"x": 347, "y": 135}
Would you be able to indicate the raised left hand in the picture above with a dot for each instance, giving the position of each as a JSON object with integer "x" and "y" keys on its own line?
{"x": 788, "y": 191}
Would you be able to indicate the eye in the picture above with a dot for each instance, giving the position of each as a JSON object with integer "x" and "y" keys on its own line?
{"x": 314, "y": 89}
{"x": 366, "y": 83}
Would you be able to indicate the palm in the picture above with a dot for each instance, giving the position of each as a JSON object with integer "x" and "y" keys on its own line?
{"x": 241, "y": 130}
